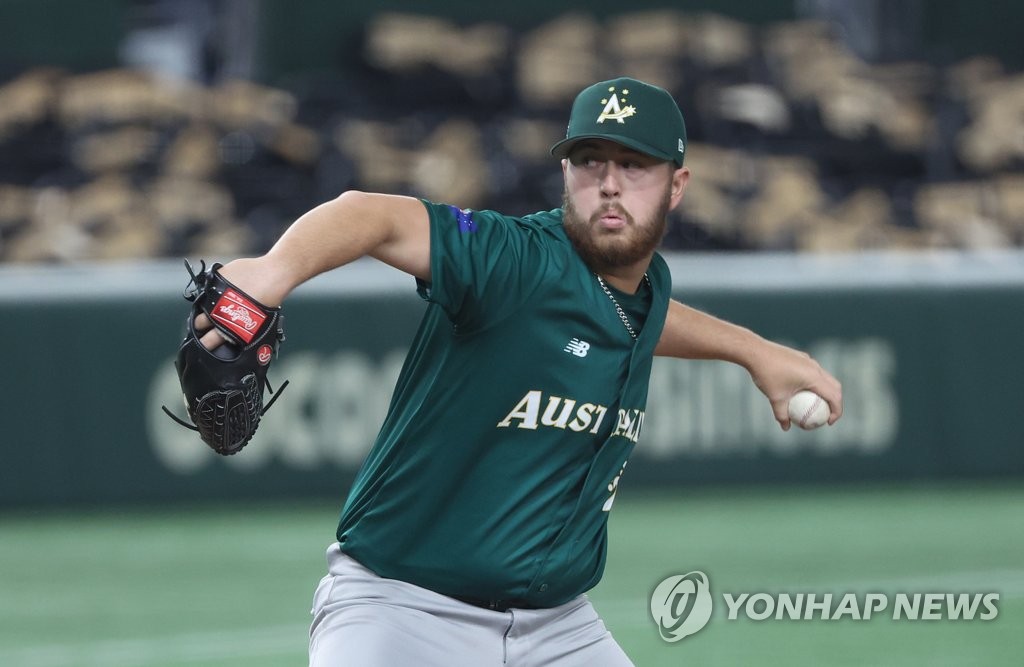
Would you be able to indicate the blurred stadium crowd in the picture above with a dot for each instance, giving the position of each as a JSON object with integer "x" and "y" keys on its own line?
{"x": 795, "y": 142}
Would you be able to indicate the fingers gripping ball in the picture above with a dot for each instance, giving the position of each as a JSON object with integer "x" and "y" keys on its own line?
{"x": 808, "y": 410}
{"x": 223, "y": 388}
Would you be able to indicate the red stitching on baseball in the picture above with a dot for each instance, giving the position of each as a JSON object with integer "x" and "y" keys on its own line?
{"x": 810, "y": 410}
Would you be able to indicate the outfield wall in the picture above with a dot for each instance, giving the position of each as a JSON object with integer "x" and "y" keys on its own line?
{"x": 928, "y": 348}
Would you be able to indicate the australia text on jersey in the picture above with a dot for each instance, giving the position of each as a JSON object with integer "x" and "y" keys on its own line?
{"x": 565, "y": 413}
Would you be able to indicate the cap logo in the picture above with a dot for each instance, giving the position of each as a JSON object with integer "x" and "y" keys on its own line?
{"x": 612, "y": 108}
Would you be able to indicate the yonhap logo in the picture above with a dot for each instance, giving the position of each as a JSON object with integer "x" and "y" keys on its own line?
{"x": 681, "y": 605}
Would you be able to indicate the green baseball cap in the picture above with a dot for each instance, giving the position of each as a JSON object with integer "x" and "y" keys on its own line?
{"x": 630, "y": 112}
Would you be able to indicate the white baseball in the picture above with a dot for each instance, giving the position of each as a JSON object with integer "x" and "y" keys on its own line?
{"x": 808, "y": 410}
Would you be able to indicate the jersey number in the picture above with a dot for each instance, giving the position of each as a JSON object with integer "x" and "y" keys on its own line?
{"x": 613, "y": 488}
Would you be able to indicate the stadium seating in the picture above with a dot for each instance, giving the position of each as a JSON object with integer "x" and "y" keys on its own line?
{"x": 795, "y": 143}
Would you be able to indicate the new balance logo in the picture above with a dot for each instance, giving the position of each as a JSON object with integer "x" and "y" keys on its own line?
{"x": 578, "y": 347}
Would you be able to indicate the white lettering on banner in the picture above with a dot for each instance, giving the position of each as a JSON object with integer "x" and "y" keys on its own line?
{"x": 710, "y": 409}
{"x": 331, "y": 412}
{"x": 332, "y": 409}
{"x": 288, "y": 432}
{"x": 356, "y": 403}
{"x": 178, "y": 448}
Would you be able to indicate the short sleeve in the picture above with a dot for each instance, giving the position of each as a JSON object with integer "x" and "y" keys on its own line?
{"x": 485, "y": 265}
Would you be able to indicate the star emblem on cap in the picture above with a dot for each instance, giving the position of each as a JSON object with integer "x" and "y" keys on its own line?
{"x": 613, "y": 109}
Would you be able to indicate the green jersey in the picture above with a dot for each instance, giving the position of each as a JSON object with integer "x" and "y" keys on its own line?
{"x": 519, "y": 404}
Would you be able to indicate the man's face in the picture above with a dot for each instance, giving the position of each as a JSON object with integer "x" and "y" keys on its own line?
{"x": 616, "y": 201}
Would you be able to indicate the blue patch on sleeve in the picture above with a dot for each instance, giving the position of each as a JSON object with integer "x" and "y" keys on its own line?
{"x": 465, "y": 217}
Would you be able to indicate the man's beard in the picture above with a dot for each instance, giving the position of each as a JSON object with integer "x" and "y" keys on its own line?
{"x": 608, "y": 251}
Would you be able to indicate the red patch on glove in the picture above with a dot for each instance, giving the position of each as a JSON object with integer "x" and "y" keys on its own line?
{"x": 238, "y": 315}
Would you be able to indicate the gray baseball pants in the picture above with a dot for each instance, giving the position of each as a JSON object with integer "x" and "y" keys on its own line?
{"x": 361, "y": 619}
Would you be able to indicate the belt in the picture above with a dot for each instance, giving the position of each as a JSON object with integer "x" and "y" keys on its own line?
{"x": 495, "y": 605}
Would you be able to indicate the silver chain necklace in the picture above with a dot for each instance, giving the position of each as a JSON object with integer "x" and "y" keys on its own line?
{"x": 618, "y": 308}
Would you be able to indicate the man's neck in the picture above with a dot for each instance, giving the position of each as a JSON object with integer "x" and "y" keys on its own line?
{"x": 627, "y": 278}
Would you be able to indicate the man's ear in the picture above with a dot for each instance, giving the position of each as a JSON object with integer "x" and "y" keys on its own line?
{"x": 680, "y": 177}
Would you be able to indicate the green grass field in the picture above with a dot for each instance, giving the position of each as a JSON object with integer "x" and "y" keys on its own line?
{"x": 231, "y": 588}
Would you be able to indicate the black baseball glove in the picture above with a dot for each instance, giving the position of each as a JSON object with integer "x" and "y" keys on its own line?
{"x": 223, "y": 388}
